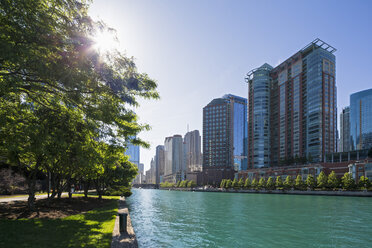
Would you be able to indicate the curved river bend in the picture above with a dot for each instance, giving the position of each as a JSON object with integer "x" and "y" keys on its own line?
{"x": 201, "y": 219}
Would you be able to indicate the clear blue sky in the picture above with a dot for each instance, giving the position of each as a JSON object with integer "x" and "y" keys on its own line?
{"x": 198, "y": 50}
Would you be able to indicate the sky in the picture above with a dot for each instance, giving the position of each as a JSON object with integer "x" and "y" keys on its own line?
{"x": 198, "y": 50}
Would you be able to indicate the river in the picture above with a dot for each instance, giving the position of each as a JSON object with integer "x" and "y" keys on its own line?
{"x": 203, "y": 219}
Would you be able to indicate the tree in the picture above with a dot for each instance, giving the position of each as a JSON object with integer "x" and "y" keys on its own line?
{"x": 299, "y": 184}
{"x": 254, "y": 183}
{"x": 50, "y": 73}
{"x": 288, "y": 183}
{"x": 348, "y": 182}
{"x": 234, "y": 183}
{"x": 228, "y": 184}
{"x": 310, "y": 181}
{"x": 247, "y": 183}
{"x": 191, "y": 184}
{"x": 178, "y": 184}
{"x": 363, "y": 182}
{"x": 333, "y": 181}
{"x": 223, "y": 182}
{"x": 262, "y": 183}
{"x": 241, "y": 183}
{"x": 322, "y": 180}
{"x": 270, "y": 185}
{"x": 278, "y": 182}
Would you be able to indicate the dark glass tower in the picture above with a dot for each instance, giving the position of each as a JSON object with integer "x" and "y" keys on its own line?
{"x": 225, "y": 133}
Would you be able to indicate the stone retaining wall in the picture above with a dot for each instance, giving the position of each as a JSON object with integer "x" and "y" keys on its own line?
{"x": 123, "y": 240}
{"x": 289, "y": 192}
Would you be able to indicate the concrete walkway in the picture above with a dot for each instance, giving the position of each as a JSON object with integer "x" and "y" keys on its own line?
{"x": 24, "y": 198}
{"x": 123, "y": 240}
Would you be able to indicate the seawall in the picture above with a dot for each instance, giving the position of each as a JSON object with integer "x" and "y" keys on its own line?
{"x": 287, "y": 192}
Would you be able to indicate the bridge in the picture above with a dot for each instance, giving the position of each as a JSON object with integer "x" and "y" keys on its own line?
{"x": 146, "y": 186}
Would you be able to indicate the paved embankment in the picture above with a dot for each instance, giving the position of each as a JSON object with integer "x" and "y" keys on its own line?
{"x": 24, "y": 198}
{"x": 125, "y": 240}
{"x": 288, "y": 192}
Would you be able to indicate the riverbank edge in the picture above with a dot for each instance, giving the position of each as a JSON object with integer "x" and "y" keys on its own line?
{"x": 123, "y": 240}
{"x": 285, "y": 192}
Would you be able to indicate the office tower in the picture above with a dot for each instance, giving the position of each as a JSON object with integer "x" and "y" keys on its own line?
{"x": 192, "y": 151}
{"x": 302, "y": 108}
{"x": 259, "y": 116}
{"x": 141, "y": 168}
{"x": 361, "y": 120}
{"x": 159, "y": 163}
{"x": 133, "y": 151}
{"x": 174, "y": 158}
{"x": 225, "y": 133}
{"x": 345, "y": 130}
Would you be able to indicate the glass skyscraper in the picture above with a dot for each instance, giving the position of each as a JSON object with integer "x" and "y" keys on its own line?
{"x": 361, "y": 120}
{"x": 225, "y": 134}
{"x": 345, "y": 130}
{"x": 292, "y": 108}
{"x": 133, "y": 151}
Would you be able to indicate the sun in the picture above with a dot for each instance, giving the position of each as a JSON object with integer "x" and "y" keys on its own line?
{"x": 105, "y": 42}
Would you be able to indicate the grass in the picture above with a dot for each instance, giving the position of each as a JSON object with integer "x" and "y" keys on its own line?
{"x": 91, "y": 229}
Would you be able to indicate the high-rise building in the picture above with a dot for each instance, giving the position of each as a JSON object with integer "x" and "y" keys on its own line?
{"x": 345, "y": 130}
{"x": 259, "y": 116}
{"x": 225, "y": 133}
{"x": 133, "y": 151}
{"x": 174, "y": 159}
{"x": 159, "y": 163}
{"x": 293, "y": 108}
{"x": 192, "y": 151}
{"x": 361, "y": 120}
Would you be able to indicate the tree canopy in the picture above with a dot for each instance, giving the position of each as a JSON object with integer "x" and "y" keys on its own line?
{"x": 66, "y": 108}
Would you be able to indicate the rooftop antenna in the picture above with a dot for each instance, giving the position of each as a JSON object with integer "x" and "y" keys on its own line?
{"x": 187, "y": 127}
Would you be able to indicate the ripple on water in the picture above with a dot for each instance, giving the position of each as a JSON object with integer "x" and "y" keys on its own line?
{"x": 198, "y": 219}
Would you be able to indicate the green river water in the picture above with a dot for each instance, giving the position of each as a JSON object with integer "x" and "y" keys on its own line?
{"x": 199, "y": 219}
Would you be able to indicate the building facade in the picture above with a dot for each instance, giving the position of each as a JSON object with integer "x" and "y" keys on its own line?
{"x": 345, "y": 130}
{"x": 225, "y": 133}
{"x": 361, "y": 120}
{"x": 192, "y": 151}
{"x": 159, "y": 163}
{"x": 292, "y": 108}
{"x": 174, "y": 169}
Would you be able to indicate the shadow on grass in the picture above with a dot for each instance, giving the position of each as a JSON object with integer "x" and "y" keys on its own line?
{"x": 92, "y": 229}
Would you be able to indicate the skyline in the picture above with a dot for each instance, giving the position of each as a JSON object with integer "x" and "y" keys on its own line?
{"x": 207, "y": 48}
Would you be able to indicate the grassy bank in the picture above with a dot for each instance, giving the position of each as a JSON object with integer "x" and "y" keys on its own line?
{"x": 90, "y": 229}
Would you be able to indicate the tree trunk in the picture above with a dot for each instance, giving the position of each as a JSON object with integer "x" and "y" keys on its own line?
{"x": 98, "y": 189}
{"x": 86, "y": 188}
{"x": 31, "y": 193}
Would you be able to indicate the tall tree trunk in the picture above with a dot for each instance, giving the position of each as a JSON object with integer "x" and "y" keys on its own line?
{"x": 69, "y": 188}
{"x": 31, "y": 192}
{"x": 98, "y": 189}
{"x": 86, "y": 188}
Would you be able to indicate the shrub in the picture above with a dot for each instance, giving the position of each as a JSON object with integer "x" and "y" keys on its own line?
{"x": 262, "y": 183}
{"x": 288, "y": 183}
{"x": 348, "y": 182}
{"x": 299, "y": 183}
{"x": 254, "y": 183}
{"x": 228, "y": 184}
{"x": 191, "y": 184}
{"x": 223, "y": 182}
{"x": 118, "y": 191}
{"x": 247, "y": 183}
{"x": 270, "y": 183}
{"x": 310, "y": 181}
{"x": 241, "y": 183}
{"x": 363, "y": 182}
{"x": 333, "y": 181}
{"x": 278, "y": 182}
{"x": 322, "y": 180}
{"x": 234, "y": 183}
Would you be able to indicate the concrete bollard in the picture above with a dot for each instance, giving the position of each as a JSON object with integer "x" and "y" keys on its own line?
{"x": 123, "y": 222}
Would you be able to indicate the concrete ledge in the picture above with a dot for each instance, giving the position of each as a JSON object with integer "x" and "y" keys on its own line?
{"x": 126, "y": 240}
{"x": 288, "y": 192}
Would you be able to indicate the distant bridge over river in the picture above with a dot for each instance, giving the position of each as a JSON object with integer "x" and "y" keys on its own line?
{"x": 146, "y": 186}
